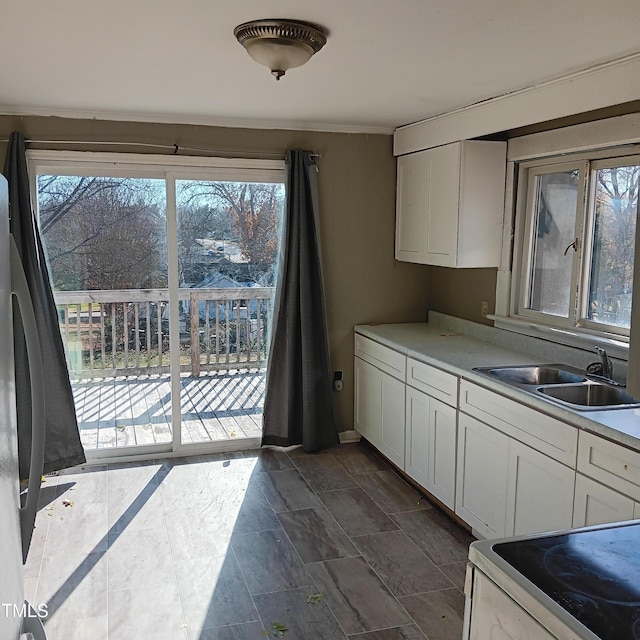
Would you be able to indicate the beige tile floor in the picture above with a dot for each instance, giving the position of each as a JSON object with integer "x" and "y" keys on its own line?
{"x": 237, "y": 546}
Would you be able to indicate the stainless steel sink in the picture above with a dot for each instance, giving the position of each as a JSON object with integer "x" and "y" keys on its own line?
{"x": 535, "y": 374}
{"x": 590, "y": 396}
{"x": 564, "y": 385}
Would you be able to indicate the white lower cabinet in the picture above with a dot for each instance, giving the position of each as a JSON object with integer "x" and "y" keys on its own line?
{"x": 505, "y": 487}
{"x": 607, "y": 482}
{"x": 393, "y": 436}
{"x": 430, "y": 456}
{"x": 367, "y": 416}
{"x": 539, "y": 492}
{"x": 416, "y": 457}
{"x": 379, "y": 410}
{"x": 483, "y": 466}
{"x": 597, "y": 504}
{"x": 503, "y": 467}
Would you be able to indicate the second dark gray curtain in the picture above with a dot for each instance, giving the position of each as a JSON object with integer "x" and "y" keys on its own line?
{"x": 62, "y": 441}
{"x": 298, "y": 403}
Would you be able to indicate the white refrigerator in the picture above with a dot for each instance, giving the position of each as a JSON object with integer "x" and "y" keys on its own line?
{"x": 17, "y": 513}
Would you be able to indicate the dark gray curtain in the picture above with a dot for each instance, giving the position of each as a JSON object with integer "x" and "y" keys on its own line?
{"x": 298, "y": 405}
{"x": 62, "y": 440}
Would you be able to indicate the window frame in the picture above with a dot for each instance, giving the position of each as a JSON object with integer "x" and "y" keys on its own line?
{"x": 595, "y": 166}
{"x": 522, "y": 156}
{"x": 523, "y": 282}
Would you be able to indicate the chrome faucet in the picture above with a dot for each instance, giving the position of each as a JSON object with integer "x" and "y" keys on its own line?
{"x": 607, "y": 365}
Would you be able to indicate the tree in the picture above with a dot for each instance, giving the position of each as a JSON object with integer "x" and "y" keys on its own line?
{"x": 198, "y": 220}
{"x": 252, "y": 208}
{"x": 110, "y": 233}
{"x": 113, "y": 235}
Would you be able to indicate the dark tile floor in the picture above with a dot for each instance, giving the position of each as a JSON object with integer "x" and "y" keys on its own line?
{"x": 239, "y": 546}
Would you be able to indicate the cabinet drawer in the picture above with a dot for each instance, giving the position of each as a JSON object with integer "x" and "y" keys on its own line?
{"x": 378, "y": 355}
{"x": 432, "y": 381}
{"x": 596, "y": 504}
{"x": 556, "y": 439}
{"x": 610, "y": 463}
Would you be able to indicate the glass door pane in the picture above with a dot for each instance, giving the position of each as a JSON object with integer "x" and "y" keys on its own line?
{"x": 106, "y": 245}
{"x": 227, "y": 249}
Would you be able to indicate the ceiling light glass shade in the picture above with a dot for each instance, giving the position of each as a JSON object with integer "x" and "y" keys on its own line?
{"x": 280, "y": 44}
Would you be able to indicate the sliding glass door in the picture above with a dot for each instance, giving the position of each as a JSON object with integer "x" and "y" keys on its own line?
{"x": 163, "y": 277}
{"x": 227, "y": 248}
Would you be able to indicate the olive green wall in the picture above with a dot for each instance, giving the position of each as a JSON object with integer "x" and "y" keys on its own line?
{"x": 363, "y": 282}
{"x": 460, "y": 292}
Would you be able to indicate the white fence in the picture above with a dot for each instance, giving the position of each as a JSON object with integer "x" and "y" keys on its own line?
{"x": 126, "y": 332}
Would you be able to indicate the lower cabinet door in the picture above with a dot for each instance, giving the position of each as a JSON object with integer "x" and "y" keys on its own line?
{"x": 430, "y": 452}
{"x": 481, "y": 487}
{"x": 417, "y": 436}
{"x": 441, "y": 481}
{"x": 597, "y": 504}
{"x": 367, "y": 407}
{"x": 539, "y": 492}
{"x": 392, "y": 424}
{"x": 379, "y": 410}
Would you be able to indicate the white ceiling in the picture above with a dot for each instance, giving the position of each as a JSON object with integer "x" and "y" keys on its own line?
{"x": 386, "y": 62}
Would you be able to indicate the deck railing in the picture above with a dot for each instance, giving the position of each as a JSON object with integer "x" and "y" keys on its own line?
{"x": 126, "y": 332}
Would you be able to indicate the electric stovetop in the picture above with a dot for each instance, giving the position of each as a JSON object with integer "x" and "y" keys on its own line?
{"x": 593, "y": 574}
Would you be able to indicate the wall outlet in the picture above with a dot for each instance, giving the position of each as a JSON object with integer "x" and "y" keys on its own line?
{"x": 337, "y": 381}
{"x": 484, "y": 309}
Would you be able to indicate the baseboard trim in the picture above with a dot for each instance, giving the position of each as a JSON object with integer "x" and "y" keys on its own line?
{"x": 349, "y": 436}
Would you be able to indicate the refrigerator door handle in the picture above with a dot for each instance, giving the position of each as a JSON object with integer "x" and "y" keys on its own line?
{"x": 20, "y": 290}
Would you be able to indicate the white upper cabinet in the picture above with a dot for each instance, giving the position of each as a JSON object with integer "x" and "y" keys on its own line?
{"x": 450, "y": 203}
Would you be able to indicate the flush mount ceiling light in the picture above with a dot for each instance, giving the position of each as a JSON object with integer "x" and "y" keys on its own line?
{"x": 280, "y": 44}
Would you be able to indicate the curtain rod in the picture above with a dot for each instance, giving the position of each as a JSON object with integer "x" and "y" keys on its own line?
{"x": 174, "y": 148}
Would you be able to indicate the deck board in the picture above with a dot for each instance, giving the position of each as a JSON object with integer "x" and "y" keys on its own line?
{"x": 136, "y": 410}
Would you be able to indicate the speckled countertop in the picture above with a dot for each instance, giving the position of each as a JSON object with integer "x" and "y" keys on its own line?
{"x": 457, "y": 346}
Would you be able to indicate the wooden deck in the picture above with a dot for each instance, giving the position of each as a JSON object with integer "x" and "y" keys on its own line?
{"x": 136, "y": 410}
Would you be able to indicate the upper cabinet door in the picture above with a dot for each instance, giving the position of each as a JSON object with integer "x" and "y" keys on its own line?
{"x": 450, "y": 203}
{"x": 441, "y": 232}
{"x": 412, "y": 201}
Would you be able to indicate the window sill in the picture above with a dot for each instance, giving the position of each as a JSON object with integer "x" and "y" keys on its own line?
{"x": 616, "y": 346}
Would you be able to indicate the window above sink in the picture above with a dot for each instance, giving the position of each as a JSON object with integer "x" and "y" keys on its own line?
{"x": 575, "y": 246}
{"x": 578, "y": 184}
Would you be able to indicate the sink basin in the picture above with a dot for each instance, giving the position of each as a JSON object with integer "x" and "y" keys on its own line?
{"x": 590, "y": 396}
{"x": 564, "y": 385}
{"x": 534, "y": 374}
